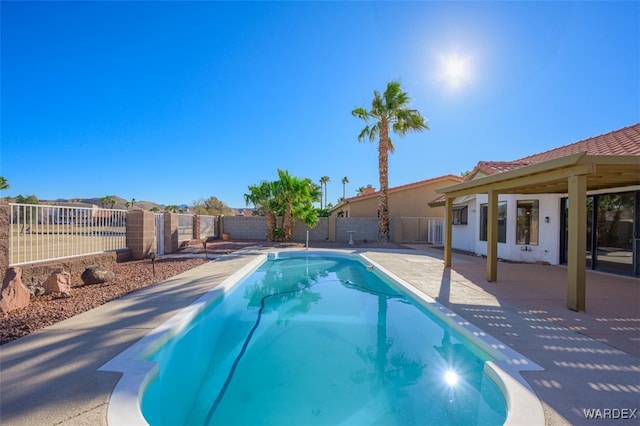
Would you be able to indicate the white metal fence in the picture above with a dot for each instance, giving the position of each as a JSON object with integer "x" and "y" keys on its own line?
{"x": 43, "y": 232}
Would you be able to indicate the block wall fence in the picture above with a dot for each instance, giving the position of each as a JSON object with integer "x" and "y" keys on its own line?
{"x": 141, "y": 238}
{"x": 328, "y": 228}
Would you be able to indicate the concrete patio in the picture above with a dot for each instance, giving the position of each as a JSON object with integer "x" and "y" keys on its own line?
{"x": 591, "y": 358}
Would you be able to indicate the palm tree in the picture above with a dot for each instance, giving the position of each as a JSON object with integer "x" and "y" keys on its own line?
{"x": 262, "y": 198}
{"x": 3, "y": 183}
{"x": 289, "y": 197}
{"x": 108, "y": 201}
{"x": 345, "y": 181}
{"x": 323, "y": 184}
{"x": 390, "y": 108}
{"x": 295, "y": 198}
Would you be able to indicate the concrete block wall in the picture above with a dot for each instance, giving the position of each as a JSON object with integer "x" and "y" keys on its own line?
{"x": 171, "y": 240}
{"x": 318, "y": 233}
{"x": 245, "y": 227}
{"x": 255, "y": 228}
{"x": 140, "y": 233}
{"x": 363, "y": 227}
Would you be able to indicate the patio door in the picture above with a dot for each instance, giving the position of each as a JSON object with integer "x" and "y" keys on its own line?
{"x": 613, "y": 232}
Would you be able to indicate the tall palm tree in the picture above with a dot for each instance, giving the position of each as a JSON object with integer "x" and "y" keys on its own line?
{"x": 3, "y": 183}
{"x": 345, "y": 181}
{"x": 323, "y": 184}
{"x": 388, "y": 109}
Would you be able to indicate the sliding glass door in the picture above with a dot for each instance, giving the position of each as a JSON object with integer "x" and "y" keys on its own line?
{"x": 612, "y": 232}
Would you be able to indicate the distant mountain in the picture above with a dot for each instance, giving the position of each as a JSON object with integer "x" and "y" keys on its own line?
{"x": 120, "y": 203}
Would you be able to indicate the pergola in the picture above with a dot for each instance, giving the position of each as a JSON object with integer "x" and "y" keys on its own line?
{"x": 573, "y": 175}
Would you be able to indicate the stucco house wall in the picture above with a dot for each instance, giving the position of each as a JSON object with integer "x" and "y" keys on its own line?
{"x": 409, "y": 200}
{"x": 548, "y": 247}
{"x": 464, "y": 236}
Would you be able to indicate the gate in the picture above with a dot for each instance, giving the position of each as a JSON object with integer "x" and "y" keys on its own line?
{"x": 428, "y": 230}
{"x": 159, "y": 233}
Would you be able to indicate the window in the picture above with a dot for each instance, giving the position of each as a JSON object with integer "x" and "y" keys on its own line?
{"x": 460, "y": 215}
{"x": 527, "y": 224}
{"x": 502, "y": 221}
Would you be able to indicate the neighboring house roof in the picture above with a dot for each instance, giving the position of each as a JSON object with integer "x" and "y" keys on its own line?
{"x": 397, "y": 189}
{"x": 625, "y": 141}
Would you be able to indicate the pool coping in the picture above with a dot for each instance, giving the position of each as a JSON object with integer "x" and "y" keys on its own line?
{"x": 523, "y": 405}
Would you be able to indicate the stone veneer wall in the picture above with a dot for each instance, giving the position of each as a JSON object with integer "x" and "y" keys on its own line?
{"x": 37, "y": 273}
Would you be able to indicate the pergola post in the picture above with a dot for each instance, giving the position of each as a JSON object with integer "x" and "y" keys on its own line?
{"x": 577, "y": 227}
{"x": 492, "y": 236}
{"x": 448, "y": 231}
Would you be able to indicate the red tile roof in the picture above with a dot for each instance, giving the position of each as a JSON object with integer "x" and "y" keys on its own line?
{"x": 625, "y": 141}
{"x": 407, "y": 186}
{"x": 399, "y": 188}
{"x": 492, "y": 167}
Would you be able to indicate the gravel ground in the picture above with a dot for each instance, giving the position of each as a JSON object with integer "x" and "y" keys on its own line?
{"x": 130, "y": 276}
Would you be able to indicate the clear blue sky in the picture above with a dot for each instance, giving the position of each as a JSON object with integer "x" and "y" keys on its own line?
{"x": 176, "y": 101}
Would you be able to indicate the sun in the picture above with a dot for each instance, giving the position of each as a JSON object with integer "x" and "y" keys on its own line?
{"x": 454, "y": 70}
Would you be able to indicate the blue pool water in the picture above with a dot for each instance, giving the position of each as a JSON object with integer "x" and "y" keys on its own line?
{"x": 320, "y": 340}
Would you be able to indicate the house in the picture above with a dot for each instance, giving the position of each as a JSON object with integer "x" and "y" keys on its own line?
{"x": 410, "y": 200}
{"x": 520, "y": 210}
{"x": 411, "y": 217}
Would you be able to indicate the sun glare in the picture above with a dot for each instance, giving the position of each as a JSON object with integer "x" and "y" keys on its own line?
{"x": 454, "y": 70}
{"x": 451, "y": 378}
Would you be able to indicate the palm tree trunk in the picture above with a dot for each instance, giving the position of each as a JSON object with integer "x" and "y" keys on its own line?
{"x": 383, "y": 168}
{"x": 325, "y": 194}
{"x": 271, "y": 224}
{"x": 287, "y": 223}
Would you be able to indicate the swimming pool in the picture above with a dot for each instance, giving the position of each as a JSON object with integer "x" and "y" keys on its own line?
{"x": 319, "y": 338}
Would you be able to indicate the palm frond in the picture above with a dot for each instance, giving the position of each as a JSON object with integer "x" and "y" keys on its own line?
{"x": 364, "y": 133}
{"x": 360, "y": 113}
{"x": 374, "y": 132}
